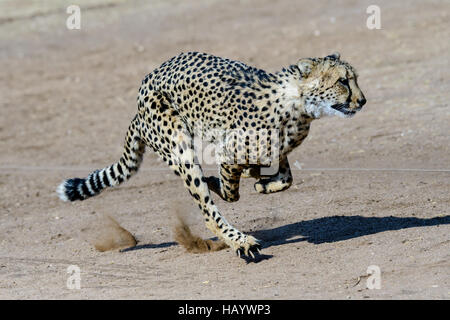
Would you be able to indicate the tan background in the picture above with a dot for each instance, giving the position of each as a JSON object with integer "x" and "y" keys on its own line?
{"x": 373, "y": 190}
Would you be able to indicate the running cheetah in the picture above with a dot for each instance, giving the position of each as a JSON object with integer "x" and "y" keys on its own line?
{"x": 226, "y": 102}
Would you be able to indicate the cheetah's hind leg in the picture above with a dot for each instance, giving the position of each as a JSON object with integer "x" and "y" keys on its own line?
{"x": 192, "y": 175}
{"x": 252, "y": 172}
{"x": 227, "y": 186}
{"x": 177, "y": 149}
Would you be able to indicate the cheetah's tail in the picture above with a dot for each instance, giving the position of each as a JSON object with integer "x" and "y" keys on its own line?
{"x": 83, "y": 188}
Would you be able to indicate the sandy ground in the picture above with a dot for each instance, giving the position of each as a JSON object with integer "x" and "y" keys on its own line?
{"x": 372, "y": 190}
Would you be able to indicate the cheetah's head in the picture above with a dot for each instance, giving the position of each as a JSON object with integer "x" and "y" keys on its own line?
{"x": 329, "y": 87}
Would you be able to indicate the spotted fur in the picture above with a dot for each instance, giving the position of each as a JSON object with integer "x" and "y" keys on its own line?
{"x": 198, "y": 94}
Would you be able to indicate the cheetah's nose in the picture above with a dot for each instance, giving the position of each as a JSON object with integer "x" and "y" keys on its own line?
{"x": 362, "y": 102}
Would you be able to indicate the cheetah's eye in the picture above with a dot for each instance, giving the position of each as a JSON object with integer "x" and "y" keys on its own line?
{"x": 343, "y": 81}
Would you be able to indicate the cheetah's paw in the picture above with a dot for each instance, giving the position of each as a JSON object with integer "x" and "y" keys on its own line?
{"x": 250, "y": 247}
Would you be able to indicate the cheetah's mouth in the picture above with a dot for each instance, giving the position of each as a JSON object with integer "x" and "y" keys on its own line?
{"x": 344, "y": 108}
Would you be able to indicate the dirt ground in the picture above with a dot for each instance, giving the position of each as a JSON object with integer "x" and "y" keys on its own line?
{"x": 371, "y": 190}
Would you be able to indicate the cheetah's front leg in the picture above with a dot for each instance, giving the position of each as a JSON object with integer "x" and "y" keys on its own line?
{"x": 279, "y": 182}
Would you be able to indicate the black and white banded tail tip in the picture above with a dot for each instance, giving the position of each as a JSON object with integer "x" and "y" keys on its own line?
{"x": 61, "y": 191}
{"x": 80, "y": 189}
{"x": 69, "y": 190}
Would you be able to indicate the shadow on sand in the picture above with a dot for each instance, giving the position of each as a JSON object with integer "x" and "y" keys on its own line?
{"x": 322, "y": 230}
{"x": 339, "y": 228}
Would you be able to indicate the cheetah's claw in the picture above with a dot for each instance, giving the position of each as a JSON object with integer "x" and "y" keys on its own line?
{"x": 253, "y": 251}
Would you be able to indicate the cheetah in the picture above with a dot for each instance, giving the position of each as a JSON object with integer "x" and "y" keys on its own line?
{"x": 220, "y": 96}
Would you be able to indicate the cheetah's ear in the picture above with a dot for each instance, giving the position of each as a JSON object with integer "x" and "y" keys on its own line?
{"x": 305, "y": 65}
{"x": 335, "y": 55}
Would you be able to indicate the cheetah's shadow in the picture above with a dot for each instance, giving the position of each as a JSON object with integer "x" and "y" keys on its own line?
{"x": 325, "y": 230}
{"x": 340, "y": 228}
